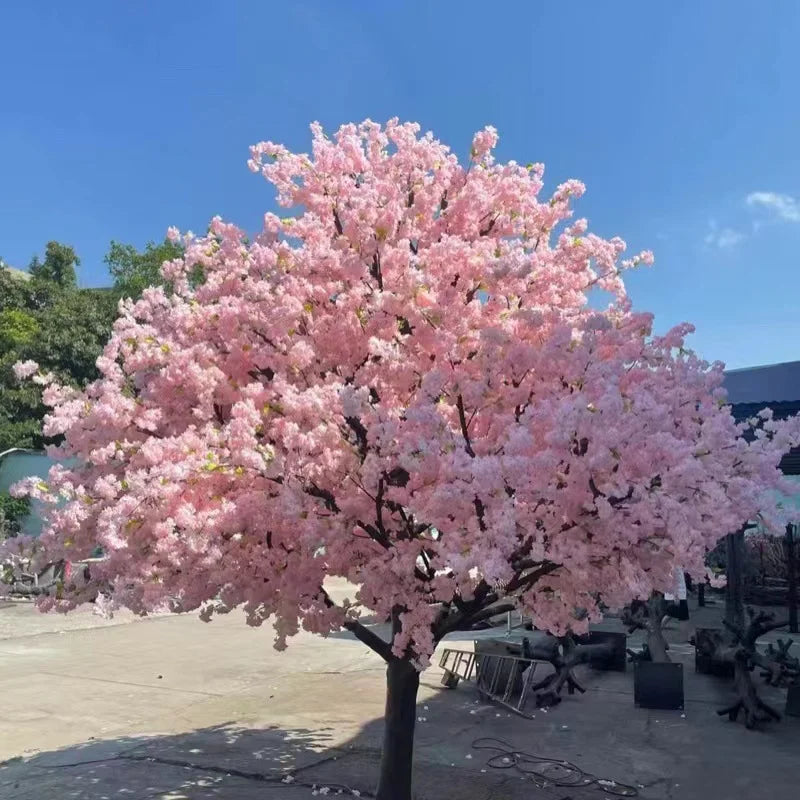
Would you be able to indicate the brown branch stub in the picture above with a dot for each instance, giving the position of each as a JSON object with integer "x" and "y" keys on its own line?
{"x": 324, "y": 495}
{"x": 375, "y": 270}
{"x": 374, "y": 534}
{"x": 262, "y": 372}
{"x": 489, "y": 228}
{"x": 338, "y": 222}
{"x": 357, "y": 426}
{"x": 397, "y": 477}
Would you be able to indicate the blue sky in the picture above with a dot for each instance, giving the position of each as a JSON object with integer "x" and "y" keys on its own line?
{"x": 120, "y": 119}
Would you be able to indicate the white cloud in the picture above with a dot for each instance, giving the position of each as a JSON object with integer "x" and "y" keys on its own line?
{"x": 782, "y": 206}
{"x": 722, "y": 237}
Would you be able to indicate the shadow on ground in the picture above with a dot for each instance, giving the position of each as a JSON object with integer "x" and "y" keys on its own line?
{"x": 665, "y": 755}
{"x": 227, "y": 762}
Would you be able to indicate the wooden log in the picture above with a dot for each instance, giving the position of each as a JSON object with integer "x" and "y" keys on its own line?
{"x": 563, "y": 654}
{"x": 568, "y": 655}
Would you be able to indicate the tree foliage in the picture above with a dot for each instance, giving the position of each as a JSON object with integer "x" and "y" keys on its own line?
{"x": 337, "y": 399}
{"x": 58, "y": 266}
{"x": 133, "y": 270}
{"x": 60, "y": 326}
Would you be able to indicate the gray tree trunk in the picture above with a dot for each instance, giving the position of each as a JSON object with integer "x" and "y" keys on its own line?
{"x": 734, "y": 572}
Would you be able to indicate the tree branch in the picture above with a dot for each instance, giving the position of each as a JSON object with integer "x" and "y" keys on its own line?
{"x": 357, "y": 426}
{"x": 373, "y": 534}
{"x": 464, "y": 432}
{"x": 324, "y": 495}
{"x": 375, "y": 270}
{"x": 338, "y": 222}
{"x": 526, "y": 580}
{"x": 363, "y": 634}
{"x": 479, "y": 616}
{"x": 370, "y": 639}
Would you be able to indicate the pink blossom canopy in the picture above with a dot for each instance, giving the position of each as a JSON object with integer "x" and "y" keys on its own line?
{"x": 401, "y": 384}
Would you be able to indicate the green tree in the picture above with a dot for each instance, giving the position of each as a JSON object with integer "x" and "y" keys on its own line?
{"x": 21, "y": 408}
{"x": 58, "y": 266}
{"x": 133, "y": 270}
{"x": 49, "y": 320}
{"x": 17, "y": 328}
{"x": 73, "y": 328}
{"x": 15, "y": 291}
{"x": 12, "y": 511}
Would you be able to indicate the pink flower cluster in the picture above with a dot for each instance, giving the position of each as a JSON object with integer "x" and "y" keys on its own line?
{"x": 400, "y": 384}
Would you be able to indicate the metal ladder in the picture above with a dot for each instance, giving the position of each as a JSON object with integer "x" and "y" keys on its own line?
{"x": 502, "y": 679}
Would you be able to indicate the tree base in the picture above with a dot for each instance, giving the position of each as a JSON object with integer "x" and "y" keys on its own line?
{"x": 564, "y": 659}
{"x": 739, "y": 651}
{"x": 548, "y": 691}
{"x": 753, "y": 708}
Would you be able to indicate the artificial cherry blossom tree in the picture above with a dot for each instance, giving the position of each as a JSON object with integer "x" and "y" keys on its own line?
{"x": 400, "y": 384}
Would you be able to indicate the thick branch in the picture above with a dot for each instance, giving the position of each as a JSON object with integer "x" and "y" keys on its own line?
{"x": 370, "y": 639}
{"x": 259, "y": 372}
{"x": 486, "y": 602}
{"x": 486, "y": 613}
{"x": 526, "y": 580}
{"x": 365, "y": 635}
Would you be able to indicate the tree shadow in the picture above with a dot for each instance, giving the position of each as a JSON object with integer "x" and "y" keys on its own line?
{"x": 223, "y": 761}
{"x": 231, "y": 762}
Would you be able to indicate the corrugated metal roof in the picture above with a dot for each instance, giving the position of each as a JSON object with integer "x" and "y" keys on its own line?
{"x": 766, "y": 384}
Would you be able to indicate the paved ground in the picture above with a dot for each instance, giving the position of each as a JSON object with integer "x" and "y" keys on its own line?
{"x": 174, "y": 709}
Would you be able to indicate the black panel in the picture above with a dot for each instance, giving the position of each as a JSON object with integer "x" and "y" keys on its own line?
{"x": 658, "y": 685}
{"x": 793, "y": 701}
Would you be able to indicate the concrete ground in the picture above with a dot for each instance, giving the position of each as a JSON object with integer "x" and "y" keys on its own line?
{"x": 173, "y": 709}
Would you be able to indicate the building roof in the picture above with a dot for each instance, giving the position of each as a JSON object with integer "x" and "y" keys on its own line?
{"x": 775, "y": 386}
{"x": 764, "y": 384}
{"x": 16, "y": 273}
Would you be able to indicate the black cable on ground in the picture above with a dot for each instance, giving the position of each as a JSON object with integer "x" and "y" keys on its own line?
{"x": 547, "y": 771}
